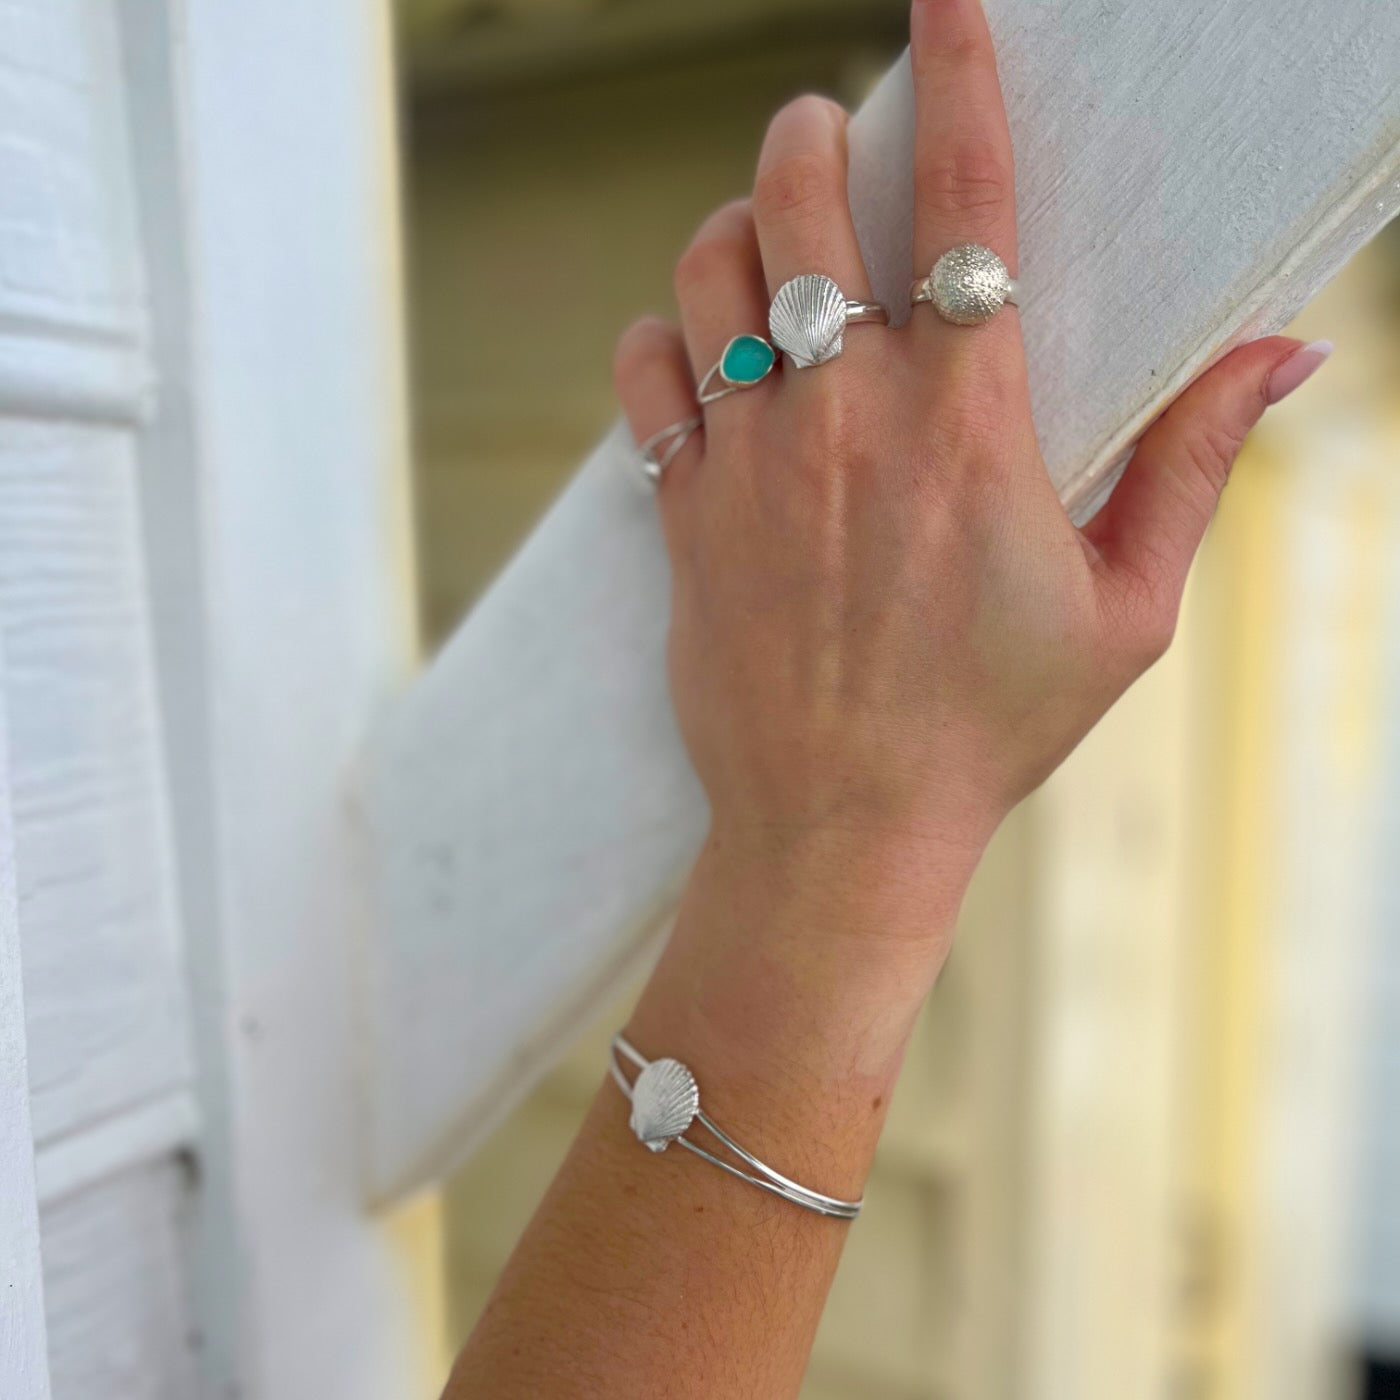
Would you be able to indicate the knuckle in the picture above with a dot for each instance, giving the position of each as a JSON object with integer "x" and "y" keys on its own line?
{"x": 1211, "y": 449}
{"x": 977, "y": 406}
{"x": 811, "y": 110}
{"x": 795, "y": 189}
{"x": 968, "y": 177}
{"x": 948, "y": 37}
{"x": 971, "y": 432}
{"x": 730, "y": 223}
{"x": 735, "y": 221}
{"x": 833, "y": 436}
{"x": 706, "y": 262}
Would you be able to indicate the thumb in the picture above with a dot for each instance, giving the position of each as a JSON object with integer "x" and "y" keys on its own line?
{"x": 1153, "y": 524}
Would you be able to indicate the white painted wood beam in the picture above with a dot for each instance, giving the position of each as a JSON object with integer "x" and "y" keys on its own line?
{"x": 1188, "y": 176}
{"x": 300, "y": 626}
{"x": 24, "y": 1370}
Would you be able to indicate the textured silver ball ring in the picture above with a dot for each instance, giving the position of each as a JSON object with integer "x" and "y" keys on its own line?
{"x": 968, "y": 286}
{"x": 809, "y": 317}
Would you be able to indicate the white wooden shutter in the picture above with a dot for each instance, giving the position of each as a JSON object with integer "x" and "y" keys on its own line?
{"x": 108, "y": 1063}
{"x": 204, "y": 590}
{"x": 24, "y": 1370}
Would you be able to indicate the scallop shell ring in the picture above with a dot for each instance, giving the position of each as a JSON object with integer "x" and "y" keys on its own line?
{"x": 809, "y": 317}
{"x": 968, "y": 286}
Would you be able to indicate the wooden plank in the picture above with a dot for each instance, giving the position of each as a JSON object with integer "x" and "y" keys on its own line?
{"x": 103, "y": 978}
{"x": 1188, "y": 177}
{"x": 119, "y": 1321}
{"x": 24, "y": 1371}
{"x": 173, "y": 506}
{"x": 138, "y": 1134}
{"x": 108, "y": 1055}
{"x": 55, "y": 372}
{"x": 95, "y": 871}
{"x": 290, "y": 535}
{"x": 68, "y": 255}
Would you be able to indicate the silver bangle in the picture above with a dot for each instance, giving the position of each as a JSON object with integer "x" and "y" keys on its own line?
{"x": 666, "y": 1102}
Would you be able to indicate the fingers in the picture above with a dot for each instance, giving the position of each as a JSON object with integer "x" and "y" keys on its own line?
{"x": 1148, "y": 533}
{"x": 964, "y": 190}
{"x": 652, "y": 377}
{"x": 719, "y": 285}
{"x": 801, "y": 207}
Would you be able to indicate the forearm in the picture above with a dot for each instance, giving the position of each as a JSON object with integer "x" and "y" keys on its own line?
{"x": 790, "y": 987}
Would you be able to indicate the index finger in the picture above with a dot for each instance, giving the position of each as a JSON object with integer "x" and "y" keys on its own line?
{"x": 964, "y": 186}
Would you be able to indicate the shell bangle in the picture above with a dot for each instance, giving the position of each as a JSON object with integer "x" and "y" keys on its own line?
{"x": 666, "y": 1104}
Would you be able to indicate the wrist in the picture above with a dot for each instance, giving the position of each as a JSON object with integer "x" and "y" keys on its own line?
{"x": 794, "y": 975}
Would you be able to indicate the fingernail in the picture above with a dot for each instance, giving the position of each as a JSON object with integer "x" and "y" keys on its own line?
{"x": 1297, "y": 369}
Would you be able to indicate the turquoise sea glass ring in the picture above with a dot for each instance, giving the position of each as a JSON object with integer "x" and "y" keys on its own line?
{"x": 747, "y": 360}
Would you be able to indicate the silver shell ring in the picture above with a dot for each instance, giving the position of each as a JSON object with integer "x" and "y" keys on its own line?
{"x": 809, "y": 319}
{"x": 747, "y": 361}
{"x": 968, "y": 286}
{"x": 661, "y": 449}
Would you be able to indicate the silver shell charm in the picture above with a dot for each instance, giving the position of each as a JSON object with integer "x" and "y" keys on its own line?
{"x": 665, "y": 1100}
{"x": 970, "y": 285}
{"x": 808, "y": 320}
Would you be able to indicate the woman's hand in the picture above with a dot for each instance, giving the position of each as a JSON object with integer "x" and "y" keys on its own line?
{"x": 885, "y": 632}
{"x": 883, "y": 618}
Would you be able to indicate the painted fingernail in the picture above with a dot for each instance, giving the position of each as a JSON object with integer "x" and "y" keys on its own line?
{"x": 1298, "y": 368}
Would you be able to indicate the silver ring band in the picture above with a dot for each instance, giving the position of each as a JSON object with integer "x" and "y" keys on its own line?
{"x": 921, "y": 292}
{"x": 747, "y": 361}
{"x": 661, "y": 449}
{"x": 967, "y": 286}
{"x": 666, "y": 1103}
{"x": 858, "y": 311}
{"x": 809, "y": 316}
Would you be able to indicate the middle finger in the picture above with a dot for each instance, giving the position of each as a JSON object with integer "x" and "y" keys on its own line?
{"x": 801, "y": 206}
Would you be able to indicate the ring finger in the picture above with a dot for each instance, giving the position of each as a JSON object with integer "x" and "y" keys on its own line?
{"x": 719, "y": 286}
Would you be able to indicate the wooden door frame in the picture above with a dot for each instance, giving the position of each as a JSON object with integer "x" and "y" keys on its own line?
{"x": 276, "y": 510}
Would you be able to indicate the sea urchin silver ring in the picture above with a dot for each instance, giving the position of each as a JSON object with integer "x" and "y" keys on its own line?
{"x": 968, "y": 286}
{"x": 747, "y": 360}
{"x": 666, "y": 1105}
{"x": 810, "y": 315}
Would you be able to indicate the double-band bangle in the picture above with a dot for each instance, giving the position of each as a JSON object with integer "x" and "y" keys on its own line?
{"x": 666, "y": 1104}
